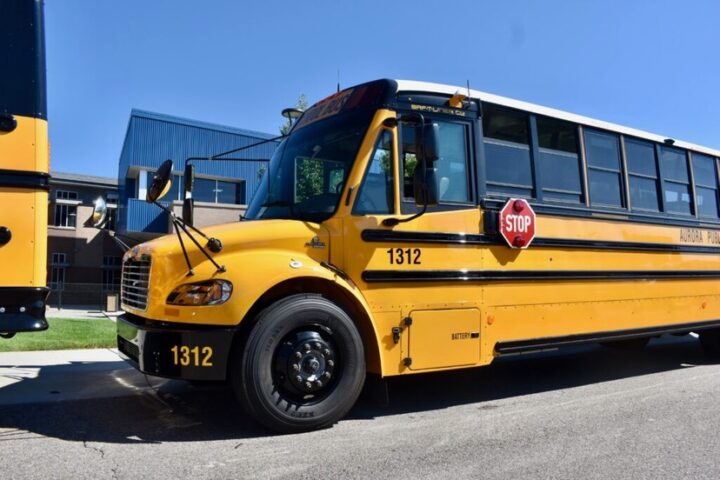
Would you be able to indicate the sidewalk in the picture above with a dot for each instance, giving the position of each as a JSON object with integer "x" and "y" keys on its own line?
{"x": 61, "y": 375}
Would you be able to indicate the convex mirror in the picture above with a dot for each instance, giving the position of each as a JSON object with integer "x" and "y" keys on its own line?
{"x": 161, "y": 183}
{"x": 99, "y": 213}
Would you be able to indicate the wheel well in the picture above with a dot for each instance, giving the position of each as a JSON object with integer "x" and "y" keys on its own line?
{"x": 332, "y": 292}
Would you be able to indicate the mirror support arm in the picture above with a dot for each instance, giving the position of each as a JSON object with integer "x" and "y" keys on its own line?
{"x": 213, "y": 243}
{"x": 218, "y": 155}
{"x": 191, "y": 272}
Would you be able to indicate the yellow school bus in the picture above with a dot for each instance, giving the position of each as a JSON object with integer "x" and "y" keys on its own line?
{"x": 24, "y": 179}
{"x": 374, "y": 246}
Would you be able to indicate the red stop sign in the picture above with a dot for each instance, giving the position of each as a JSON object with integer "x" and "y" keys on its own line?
{"x": 517, "y": 223}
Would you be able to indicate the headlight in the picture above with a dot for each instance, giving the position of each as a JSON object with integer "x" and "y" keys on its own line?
{"x": 212, "y": 292}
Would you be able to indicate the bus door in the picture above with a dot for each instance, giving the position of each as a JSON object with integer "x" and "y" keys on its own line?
{"x": 24, "y": 178}
{"x": 412, "y": 272}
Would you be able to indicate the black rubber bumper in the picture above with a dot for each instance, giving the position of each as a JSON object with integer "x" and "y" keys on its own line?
{"x": 22, "y": 309}
{"x": 191, "y": 352}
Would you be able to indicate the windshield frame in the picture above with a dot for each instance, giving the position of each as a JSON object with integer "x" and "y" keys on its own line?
{"x": 261, "y": 206}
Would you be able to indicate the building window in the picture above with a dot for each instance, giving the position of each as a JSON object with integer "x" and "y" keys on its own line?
{"x": 604, "y": 172}
{"x": 506, "y": 138}
{"x": 111, "y": 279}
{"x": 110, "y": 261}
{"x": 219, "y": 191}
{"x": 58, "y": 258}
{"x": 642, "y": 175}
{"x": 111, "y": 217}
{"x": 65, "y": 215}
{"x": 65, "y": 195}
{"x": 676, "y": 180}
{"x": 559, "y": 160}
{"x": 57, "y": 278}
{"x": 706, "y": 188}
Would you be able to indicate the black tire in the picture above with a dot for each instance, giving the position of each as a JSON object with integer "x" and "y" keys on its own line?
{"x": 710, "y": 342}
{"x": 310, "y": 333}
{"x": 631, "y": 344}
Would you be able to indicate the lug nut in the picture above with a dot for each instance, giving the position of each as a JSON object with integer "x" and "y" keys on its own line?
{"x": 306, "y": 347}
{"x": 296, "y": 367}
{"x": 318, "y": 384}
{"x": 330, "y": 363}
{"x": 298, "y": 378}
{"x": 298, "y": 355}
{"x": 326, "y": 374}
{"x": 326, "y": 352}
{"x": 318, "y": 346}
{"x": 308, "y": 385}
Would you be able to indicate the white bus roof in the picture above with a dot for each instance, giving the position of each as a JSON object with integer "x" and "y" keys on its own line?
{"x": 414, "y": 86}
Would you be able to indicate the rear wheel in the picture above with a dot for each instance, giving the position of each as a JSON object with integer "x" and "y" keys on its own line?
{"x": 303, "y": 365}
{"x": 710, "y": 341}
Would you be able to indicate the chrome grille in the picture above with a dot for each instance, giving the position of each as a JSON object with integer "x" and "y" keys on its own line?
{"x": 135, "y": 283}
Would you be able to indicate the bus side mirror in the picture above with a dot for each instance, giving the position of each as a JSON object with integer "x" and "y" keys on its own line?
{"x": 188, "y": 202}
{"x": 426, "y": 143}
{"x": 161, "y": 183}
{"x": 188, "y": 211}
{"x": 425, "y": 187}
{"x": 99, "y": 213}
{"x": 425, "y": 180}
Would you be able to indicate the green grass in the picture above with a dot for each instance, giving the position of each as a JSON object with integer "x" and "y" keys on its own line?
{"x": 64, "y": 334}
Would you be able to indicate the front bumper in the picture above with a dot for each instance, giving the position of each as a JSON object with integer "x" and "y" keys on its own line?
{"x": 191, "y": 352}
{"x": 22, "y": 309}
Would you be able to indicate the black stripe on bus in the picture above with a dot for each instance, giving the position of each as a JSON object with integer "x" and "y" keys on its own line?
{"x": 24, "y": 179}
{"x": 546, "y": 343}
{"x": 390, "y": 236}
{"x": 383, "y": 276}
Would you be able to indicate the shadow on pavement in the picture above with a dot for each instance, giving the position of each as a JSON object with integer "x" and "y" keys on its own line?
{"x": 167, "y": 413}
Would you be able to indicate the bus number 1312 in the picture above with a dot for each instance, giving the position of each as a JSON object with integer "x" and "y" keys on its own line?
{"x": 400, "y": 256}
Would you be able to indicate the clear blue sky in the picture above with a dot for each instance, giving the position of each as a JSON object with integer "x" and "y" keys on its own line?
{"x": 652, "y": 65}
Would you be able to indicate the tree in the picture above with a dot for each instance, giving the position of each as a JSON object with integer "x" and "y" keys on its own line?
{"x": 301, "y": 104}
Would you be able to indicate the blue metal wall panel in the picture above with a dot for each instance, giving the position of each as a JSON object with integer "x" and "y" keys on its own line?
{"x": 146, "y": 217}
{"x": 153, "y": 138}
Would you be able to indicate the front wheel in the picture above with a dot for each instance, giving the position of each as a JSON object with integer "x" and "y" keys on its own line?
{"x": 303, "y": 365}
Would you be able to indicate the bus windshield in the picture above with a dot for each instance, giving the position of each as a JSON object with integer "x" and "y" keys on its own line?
{"x": 307, "y": 173}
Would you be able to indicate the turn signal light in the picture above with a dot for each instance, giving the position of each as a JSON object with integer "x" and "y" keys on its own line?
{"x": 213, "y": 292}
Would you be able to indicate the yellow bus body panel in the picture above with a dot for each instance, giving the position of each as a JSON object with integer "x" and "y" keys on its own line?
{"x": 24, "y": 211}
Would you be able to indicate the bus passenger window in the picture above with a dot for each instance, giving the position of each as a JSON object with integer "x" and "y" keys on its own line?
{"x": 676, "y": 181}
{"x": 506, "y": 139}
{"x": 559, "y": 161}
{"x": 642, "y": 175}
{"x": 604, "y": 172}
{"x": 376, "y": 191}
{"x": 706, "y": 190}
{"x": 452, "y": 166}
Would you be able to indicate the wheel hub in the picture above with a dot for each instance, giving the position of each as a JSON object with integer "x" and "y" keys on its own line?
{"x": 306, "y": 361}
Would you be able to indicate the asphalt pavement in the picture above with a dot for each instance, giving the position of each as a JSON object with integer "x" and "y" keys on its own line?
{"x": 589, "y": 412}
